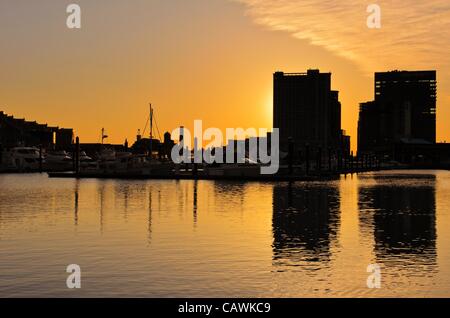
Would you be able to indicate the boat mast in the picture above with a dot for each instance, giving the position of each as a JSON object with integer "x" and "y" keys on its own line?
{"x": 151, "y": 130}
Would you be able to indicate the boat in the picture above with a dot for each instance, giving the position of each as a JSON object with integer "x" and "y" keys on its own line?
{"x": 84, "y": 157}
{"x": 21, "y": 159}
{"x": 247, "y": 169}
{"x": 116, "y": 164}
{"x": 58, "y": 160}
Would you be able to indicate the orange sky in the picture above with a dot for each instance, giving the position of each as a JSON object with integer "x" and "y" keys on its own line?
{"x": 201, "y": 59}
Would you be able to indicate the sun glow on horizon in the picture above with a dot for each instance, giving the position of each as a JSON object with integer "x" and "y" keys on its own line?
{"x": 209, "y": 60}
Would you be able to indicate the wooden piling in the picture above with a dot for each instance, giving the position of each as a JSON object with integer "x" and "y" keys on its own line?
{"x": 329, "y": 159}
{"x": 40, "y": 158}
{"x": 351, "y": 163}
{"x": 194, "y": 169}
{"x": 307, "y": 158}
{"x": 319, "y": 159}
{"x": 291, "y": 155}
{"x": 77, "y": 155}
{"x": 339, "y": 161}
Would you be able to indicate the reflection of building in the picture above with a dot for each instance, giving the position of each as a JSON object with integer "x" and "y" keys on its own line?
{"x": 404, "y": 110}
{"x": 14, "y": 132}
{"x": 305, "y": 222}
{"x": 403, "y": 218}
{"x": 306, "y": 109}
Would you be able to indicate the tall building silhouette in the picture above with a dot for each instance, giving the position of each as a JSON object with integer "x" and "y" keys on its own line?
{"x": 404, "y": 111}
{"x": 307, "y": 110}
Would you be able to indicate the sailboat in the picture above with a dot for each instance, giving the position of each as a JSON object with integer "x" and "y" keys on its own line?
{"x": 115, "y": 164}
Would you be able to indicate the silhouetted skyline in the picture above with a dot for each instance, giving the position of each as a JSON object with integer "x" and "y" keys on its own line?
{"x": 207, "y": 60}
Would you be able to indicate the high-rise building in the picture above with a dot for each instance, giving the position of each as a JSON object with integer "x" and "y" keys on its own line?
{"x": 369, "y": 128}
{"x": 404, "y": 110}
{"x": 408, "y": 99}
{"x": 307, "y": 110}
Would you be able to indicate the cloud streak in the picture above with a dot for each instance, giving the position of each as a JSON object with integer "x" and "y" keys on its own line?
{"x": 414, "y": 34}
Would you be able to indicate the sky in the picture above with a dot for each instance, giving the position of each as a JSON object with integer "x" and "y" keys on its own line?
{"x": 205, "y": 59}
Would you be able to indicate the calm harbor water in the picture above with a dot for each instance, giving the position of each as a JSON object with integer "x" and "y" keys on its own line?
{"x": 220, "y": 239}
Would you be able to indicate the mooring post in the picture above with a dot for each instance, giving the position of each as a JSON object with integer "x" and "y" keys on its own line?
{"x": 319, "y": 159}
{"x": 194, "y": 169}
{"x": 339, "y": 161}
{"x": 40, "y": 158}
{"x": 307, "y": 158}
{"x": 77, "y": 156}
{"x": 345, "y": 162}
{"x": 351, "y": 162}
{"x": 291, "y": 155}
{"x": 329, "y": 159}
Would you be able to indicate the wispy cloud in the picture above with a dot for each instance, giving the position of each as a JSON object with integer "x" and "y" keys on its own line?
{"x": 414, "y": 33}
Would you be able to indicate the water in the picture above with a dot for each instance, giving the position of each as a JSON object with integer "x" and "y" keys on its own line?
{"x": 220, "y": 239}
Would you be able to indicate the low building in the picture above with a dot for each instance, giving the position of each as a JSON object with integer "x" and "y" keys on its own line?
{"x": 19, "y": 132}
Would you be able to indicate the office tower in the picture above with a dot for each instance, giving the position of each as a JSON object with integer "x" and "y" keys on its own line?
{"x": 404, "y": 111}
{"x": 307, "y": 110}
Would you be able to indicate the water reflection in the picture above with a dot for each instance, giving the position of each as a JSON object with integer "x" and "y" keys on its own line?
{"x": 150, "y": 216}
{"x": 76, "y": 199}
{"x": 230, "y": 191}
{"x": 194, "y": 204}
{"x": 101, "y": 194}
{"x": 218, "y": 239}
{"x": 401, "y": 214}
{"x": 305, "y": 223}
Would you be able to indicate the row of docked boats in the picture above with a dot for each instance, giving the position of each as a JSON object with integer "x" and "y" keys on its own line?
{"x": 30, "y": 159}
{"x": 108, "y": 161}
{"x": 113, "y": 164}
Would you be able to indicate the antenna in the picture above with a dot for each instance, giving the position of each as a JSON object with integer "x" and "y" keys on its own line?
{"x": 103, "y": 135}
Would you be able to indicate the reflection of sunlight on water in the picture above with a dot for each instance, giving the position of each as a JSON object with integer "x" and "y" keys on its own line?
{"x": 187, "y": 238}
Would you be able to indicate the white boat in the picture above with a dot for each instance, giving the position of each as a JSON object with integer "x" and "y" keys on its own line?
{"x": 247, "y": 169}
{"x": 58, "y": 161}
{"x": 126, "y": 164}
{"x": 21, "y": 159}
{"x": 57, "y": 156}
{"x": 84, "y": 157}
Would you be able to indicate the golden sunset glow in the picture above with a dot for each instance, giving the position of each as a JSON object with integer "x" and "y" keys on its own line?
{"x": 205, "y": 59}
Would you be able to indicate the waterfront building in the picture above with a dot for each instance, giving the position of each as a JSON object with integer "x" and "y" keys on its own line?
{"x": 403, "y": 111}
{"x": 20, "y": 132}
{"x": 307, "y": 111}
